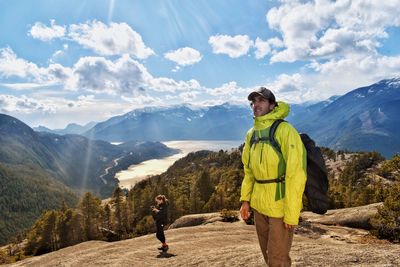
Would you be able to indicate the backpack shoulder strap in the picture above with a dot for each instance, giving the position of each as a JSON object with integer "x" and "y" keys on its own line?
{"x": 272, "y": 131}
{"x": 253, "y": 138}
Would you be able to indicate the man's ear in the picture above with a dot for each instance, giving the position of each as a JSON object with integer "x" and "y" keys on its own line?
{"x": 271, "y": 107}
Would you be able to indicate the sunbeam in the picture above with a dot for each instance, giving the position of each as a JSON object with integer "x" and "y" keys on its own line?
{"x": 110, "y": 10}
{"x": 87, "y": 164}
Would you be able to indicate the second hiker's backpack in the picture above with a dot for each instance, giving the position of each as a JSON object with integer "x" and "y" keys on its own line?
{"x": 317, "y": 183}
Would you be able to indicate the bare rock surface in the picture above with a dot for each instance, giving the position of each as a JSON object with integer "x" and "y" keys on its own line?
{"x": 229, "y": 244}
{"x": 196, "y": 219}
{"x": 357, "y": 217}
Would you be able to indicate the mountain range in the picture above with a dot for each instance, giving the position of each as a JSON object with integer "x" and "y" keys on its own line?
{"x": 363, "y": 119}
{"x": 40, "y": 170}
{"x": 222, "y": 122}
{"x": 75, "y": 160}
{"x": 71, "y": 128}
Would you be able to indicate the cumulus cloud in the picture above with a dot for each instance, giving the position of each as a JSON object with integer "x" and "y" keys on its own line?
{"x": 189, "y": 95}
{"x": 46, "y": 33}
{"x": 124, "y": 76}
{"x": 11, "y": 65}
{"x": 143, "y": 100}
{"x": 108, "y": 40}
{"x": 164, "y": 84}
{"x": 226, "y": 89}
{"x": 287, "y": 83}
{"x": 21, "y": 86}
{"x": 24, "y": 104}
{"x": 326, "y": 29}
{"x": 264, "y": 48}
{"x": 184, "y": 56}
{"x": 233, "y": 46}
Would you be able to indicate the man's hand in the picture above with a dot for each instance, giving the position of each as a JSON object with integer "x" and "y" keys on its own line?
{"x": 245, "y": 210}
{"x": 288, "y": 226}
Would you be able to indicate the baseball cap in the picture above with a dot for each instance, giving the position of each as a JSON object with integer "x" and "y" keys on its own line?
{"x": 264, "y": 92}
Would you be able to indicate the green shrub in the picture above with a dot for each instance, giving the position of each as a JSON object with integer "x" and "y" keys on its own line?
{"x": 145, "y": 225}
{"x": 229, "y": 215}
{"x": 386, "y": 224}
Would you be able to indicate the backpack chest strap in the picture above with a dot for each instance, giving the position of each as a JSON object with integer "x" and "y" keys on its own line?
{"x": 269, "y": 181}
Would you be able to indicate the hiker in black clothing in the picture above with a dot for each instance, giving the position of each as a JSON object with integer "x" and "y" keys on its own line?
{"x": 160, "y": 215}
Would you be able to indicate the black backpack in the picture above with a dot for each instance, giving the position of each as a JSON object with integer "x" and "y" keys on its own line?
{"x": 317, "y": 183}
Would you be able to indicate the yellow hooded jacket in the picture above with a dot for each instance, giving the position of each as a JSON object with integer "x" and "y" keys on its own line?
{"x": 261, "y": 162}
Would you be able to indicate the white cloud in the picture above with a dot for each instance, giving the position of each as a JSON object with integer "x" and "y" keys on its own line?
{"x": 96, "y": 74}
{"x": 189, "y": 96}
{"x": 334, "y": 77}
{"x": 24, "y": 104}
{"x": 124, "y": 76}
{"x": 233, "y": 46}
{"x": 287, "y": 83}
{"x": 45, "y": 33}
{"x": 108, "y": 40}
{"x": 311, "y": 30}
{"x": 10, "y": 65}
{"x": 184, "y": 56}
{"x": 21, "y": 86}
{"x": 143, "y": 100}
{"x": 264, "y": 48}
{"x": 226, "y": 89}
{"x": 338, "y": 76}
{"x": 164, "y": 84}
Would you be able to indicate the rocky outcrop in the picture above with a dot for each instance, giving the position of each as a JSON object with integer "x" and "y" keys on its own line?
{"x": 356, "y": 217}
{"x": 234, "y": 244}
{"x": 196, "y": 219}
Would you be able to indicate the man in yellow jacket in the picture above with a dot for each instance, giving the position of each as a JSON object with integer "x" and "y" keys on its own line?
{"x": 274, "y": 181}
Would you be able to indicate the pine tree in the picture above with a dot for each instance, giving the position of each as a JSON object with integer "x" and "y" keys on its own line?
{"x": 69, "y": 229}
{"x": 204, "y": 186}
{"x": 117, "y": 201}
{"x": 107, "y": 217}
{"x": 42, "y": 238}
{"x": 386, "y": 223}
{"x": 131, "y": 211}
{"x": 91, "y": 213}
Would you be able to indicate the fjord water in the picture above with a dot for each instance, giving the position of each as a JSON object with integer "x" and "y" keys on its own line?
{"x": 135, "y": 173}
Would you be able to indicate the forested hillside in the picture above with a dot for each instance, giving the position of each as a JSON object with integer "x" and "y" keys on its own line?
{"x": 38, "y": 171}
{"x": 207, "y": 181}
{"x": 25, "y": 191}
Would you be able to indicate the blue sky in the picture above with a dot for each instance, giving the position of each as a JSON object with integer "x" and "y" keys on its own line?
{"x": 82, "y": 61}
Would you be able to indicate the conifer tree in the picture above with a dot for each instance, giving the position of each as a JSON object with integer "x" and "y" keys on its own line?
{"x": 204, "y": 186}
{"x": 386, "y": 223}
{"x": 107, "y": 217}
{"x": 117, "y": 201}
{"x": 91, "y": 213}
{"x": 43, "y": 236}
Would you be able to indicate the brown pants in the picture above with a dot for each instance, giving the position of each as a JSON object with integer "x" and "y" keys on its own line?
{"x": 275, "y": 241}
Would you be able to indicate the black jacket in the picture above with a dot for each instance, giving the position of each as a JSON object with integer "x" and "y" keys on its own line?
{"x": 162, "y": 215}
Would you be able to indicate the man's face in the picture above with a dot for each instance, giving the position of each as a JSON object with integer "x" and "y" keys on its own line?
{"x": 261, "y": 106}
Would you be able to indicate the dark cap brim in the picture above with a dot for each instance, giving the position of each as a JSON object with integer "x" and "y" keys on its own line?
{"x": 252, "y": 95}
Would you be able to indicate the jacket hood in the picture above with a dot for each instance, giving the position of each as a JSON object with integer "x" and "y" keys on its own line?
{"x": 279, "y": 112}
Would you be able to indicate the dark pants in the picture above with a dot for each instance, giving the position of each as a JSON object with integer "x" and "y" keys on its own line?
{"x": 160, "y": 232}
{"x": 275, "y": 241}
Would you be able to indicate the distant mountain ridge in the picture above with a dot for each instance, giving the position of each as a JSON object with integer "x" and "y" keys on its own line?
{"x": 366, "y": 118}
{"x": 363, "y": 119}
{"x": 71, "y": 128}
{"x": 73, "y": 159}
{"x": 223, "y": 122}
{"x": 40, "y": 170}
